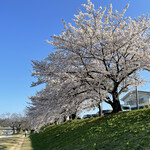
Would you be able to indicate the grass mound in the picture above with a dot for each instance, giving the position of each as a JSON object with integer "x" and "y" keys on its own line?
{"x": 122, "y": 131}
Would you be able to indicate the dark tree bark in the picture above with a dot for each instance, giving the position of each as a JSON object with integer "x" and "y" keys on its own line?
{"x": 116, "y": 103}
{"x": 13, "y": 128}
{"x": 116, "y": 106}
{"x": 100, "y": 109}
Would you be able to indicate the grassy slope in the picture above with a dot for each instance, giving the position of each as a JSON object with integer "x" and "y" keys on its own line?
{"x": 122, "y": 131}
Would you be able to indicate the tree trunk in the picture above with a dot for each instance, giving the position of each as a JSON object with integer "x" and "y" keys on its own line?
{"x": 13, "y": 128}
{"x": 116, "y": 104}
{"x": 100, "y": 110}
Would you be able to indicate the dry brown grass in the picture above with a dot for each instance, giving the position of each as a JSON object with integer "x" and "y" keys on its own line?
{"x": 15, "y": 142}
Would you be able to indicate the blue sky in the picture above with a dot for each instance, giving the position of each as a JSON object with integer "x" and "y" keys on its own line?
{"x": 25, "y": 25}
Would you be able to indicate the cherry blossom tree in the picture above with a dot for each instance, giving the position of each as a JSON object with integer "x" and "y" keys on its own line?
{"x": 105, "y": 49}
{"x": 63, "y": 94}
{"x": 97, "y": 58}
{"x": 55, "y": 102}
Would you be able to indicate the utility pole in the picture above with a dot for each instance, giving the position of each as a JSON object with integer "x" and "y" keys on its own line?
{"x": 137, "y": 98}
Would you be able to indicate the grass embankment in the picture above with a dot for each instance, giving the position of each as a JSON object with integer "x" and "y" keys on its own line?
{"x": 122, "y": 131}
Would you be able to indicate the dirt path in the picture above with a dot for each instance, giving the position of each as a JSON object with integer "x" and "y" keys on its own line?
{"x": 15, "y": 142}
{"x": 19, "y": 144}
{"x": 6, "y": 136}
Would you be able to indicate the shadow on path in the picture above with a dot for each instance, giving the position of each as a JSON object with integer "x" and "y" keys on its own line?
{"x": 15, "y": 142}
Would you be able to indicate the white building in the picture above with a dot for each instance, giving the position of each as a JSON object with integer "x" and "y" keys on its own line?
{"x": 130, "y": 99}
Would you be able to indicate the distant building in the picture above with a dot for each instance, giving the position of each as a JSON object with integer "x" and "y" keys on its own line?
{"x": 130, "y": 99}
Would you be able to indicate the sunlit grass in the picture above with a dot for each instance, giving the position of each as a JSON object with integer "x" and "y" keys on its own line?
{"x": 8, "y": 142}
{"x": 27, "y": 144}
{"x": 122, "y": 131}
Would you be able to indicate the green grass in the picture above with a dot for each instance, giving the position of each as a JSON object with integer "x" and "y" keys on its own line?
{"x": 122, "y": 131}
{"x": 26, "y": 144}
{"x": 7, "y": 142}
{"x": 15, "y": 142}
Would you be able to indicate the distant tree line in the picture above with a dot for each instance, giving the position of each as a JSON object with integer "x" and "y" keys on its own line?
{"x": 16, "y": 121}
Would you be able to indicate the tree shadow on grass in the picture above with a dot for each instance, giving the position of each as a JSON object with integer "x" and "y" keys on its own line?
{"x": 7, "y": 142}
{"x": 2, "y": 147}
